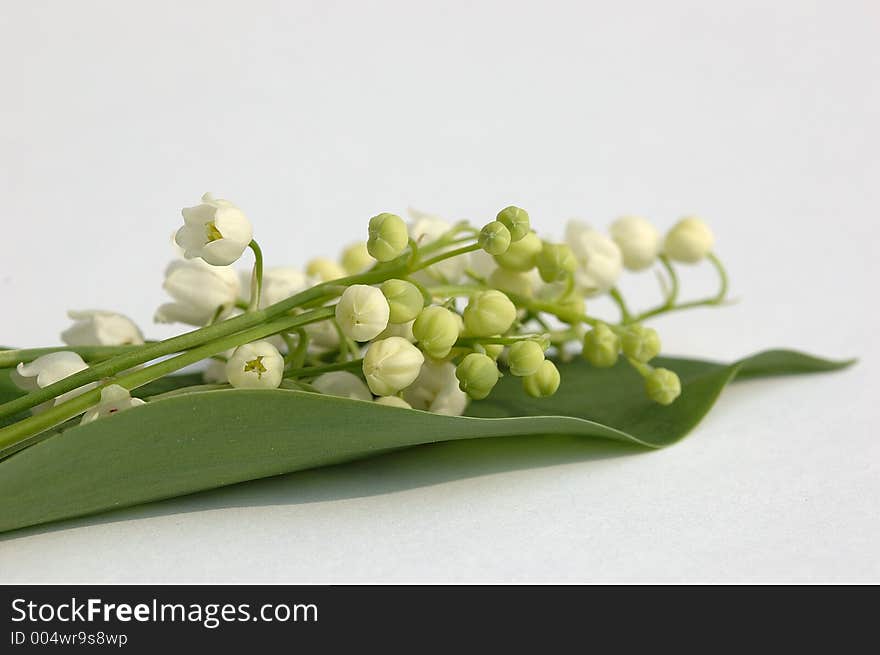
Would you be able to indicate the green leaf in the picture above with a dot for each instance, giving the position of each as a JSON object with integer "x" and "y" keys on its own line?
{"x": 203, "y": 440}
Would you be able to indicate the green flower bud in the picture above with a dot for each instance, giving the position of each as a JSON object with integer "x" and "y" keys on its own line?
{"x": 544, "y": 382}
{"x": 519, "y": 284}
{"x": 516, "y": 220}
{"x": 640, "y": 342}
{"x": 489, "y": 312}
{"x": 555, "y": 262}
{"x": 522, "y": 254}
{"x": 404, "y": 300}
{"x": 436, "y": 329}
{"x": 477, "y": 374}
{"x": 356, "y": 258}
{"x": 662, "y": 386}
{"x": 324, "y": 269}
{"x": 524, "y": 358}
{"x": 494, "y": 238}
{"x": 493, "y": 350}
{"x": 601, "y": 346}
{"x": 388, "y": 237}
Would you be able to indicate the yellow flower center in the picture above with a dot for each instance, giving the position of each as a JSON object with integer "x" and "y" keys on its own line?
{"x": 255, "y": 366}
{"x": 213, "y": 232}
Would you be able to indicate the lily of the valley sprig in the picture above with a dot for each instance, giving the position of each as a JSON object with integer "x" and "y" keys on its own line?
{"x": 427, "y": 315}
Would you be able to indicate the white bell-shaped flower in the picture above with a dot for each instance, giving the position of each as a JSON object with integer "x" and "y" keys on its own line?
{"x": 256, "y": 365}
{"x": 436, "y": 390}
{"x": 279, "y": 283}
{"x": 689, "y": 241}
{"x": 198, "y": 291}
{"x": 342, "y": 384}
{"x": 391, "y": 365}
{"x": 114, "y": 399}
{"x": 638, "y": 240}
{"x": 600, "y": 261}
{"x": 95, "y": 327}
{"x": 49, "y": 369}
{"x": 215, "y": 230}
{"x": 362, "y": 312}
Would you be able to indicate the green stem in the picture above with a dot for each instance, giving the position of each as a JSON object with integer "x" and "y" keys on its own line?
{"x": 12, "y": 436}
{"x": 469, "y": 342}
{"x": 11, "y": 358}
{"x": 446, "y": 255}
{"x": 257, "y": 276}
{"x": 312, "y": 371}
{"x": 617, "y": 297}
{"x": 194, "y": 338}
{"x": 717, "y": 299}
{"x": 297, "y": 357}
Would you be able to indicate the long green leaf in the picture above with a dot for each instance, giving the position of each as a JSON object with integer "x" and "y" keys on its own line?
{"x": 199, "y": 441}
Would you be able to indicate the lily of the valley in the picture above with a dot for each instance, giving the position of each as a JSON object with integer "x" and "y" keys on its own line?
{"x": 49, "y": 369}
{"x": 362, "y": 312}
{"x": 256, "y": 365}
{"x": 114, "y": 399}
{"x": 95, "y": 327}
{"x": 199, "y": 291}
{"x": 436, "y": 390}
{"x": 391, "y": 364}
{"x": 600, "y": 261}
{"x": 215, "y": 230}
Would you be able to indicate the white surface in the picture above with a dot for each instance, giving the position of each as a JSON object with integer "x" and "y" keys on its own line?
{"x": 314, "y": 116}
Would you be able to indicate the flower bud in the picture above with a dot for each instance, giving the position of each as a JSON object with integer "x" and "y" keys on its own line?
{"x": 362, "y": 312}
{"x": 436, "y": 329}
{"x": 324, "y": 269}
{"x": 601, "y": 346}
{"x": 114, "y": 399}
{"x": 393, "y": 401}
{"x": 600, "y": 261}
{"x": 94, "y": 327}
{"x": 494, "y": 238}
{"x": 388, "y": 237}
{"x": 216, "y": 230}
{"x": 493, "y": 350}
{"x": 516, "y": 220}
{"x": 544, "y": 382}
{"x": 404, "y": 299}
{"x": 640, "y": 342}
{"x": 342, "y": 384}
{"x": 198, "y": 290}
{"x": 524, "y": 358}
{"x": 522, "y": 254}
{"x": 391, "y": 364}
{"x": 256, "y": 365}
{"x": 638, "y": 240}
{"x": 689, "y": 241}
{"x": 488, "y": 313}
{"x": 477, "y": 375}
{"x": 662, "y": 386}
{"x": 518, "y": 284}
{"x": 356, "y": 258}
{"x": 404, "y": 330}
{"x": 555, "y": 262}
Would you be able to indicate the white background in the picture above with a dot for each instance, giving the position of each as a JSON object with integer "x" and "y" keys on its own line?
{"x": 313, "y": 116}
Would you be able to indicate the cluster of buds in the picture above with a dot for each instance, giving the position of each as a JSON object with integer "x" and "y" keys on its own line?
{"x": 425, "y": 315}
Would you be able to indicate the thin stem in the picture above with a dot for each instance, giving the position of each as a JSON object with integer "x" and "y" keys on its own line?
{"x": 10, "y": 358}
{"x": 617, "y": 297}
{"x": 468, "y": 342}
{"x": 312, "y": 371}
{"x": 446, "y": 255}
{"x": 256, "y": 276}
{"x": 717, "y": 299}
{"x": 12, "y": 436}
{"x": 673, "y": 280}
{"x": 194, "y": 338}
{"x": 297, "y": 356}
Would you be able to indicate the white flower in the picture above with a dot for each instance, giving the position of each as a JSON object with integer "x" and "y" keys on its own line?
{"x": 114, "y": 399}
{"x": 404, "y": 330}
{"x": 482, "y": 264}
{"x": 425, "y": 229}
{"x": 342, "y": 384}
{"x": 216, "y": 230}
{"x": 198, "y": 290}
{"x": 279, "y": 283}
{"x": 391, "y": 365}
{"x": 256, "y": 365}
{"x": 362, "y": 312}
{"x": 436, "y": 390}
{"x": 95, "y": 327}
{"x": 600, "y": 262}
{"x": 638, "y": 240}
{"x": 393, "y": 401}
{"x": 689, "y": 241}
{"x": 324, "y": 269}
{"x": 323, "y": 335}
{"x": 49, "y": 369}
